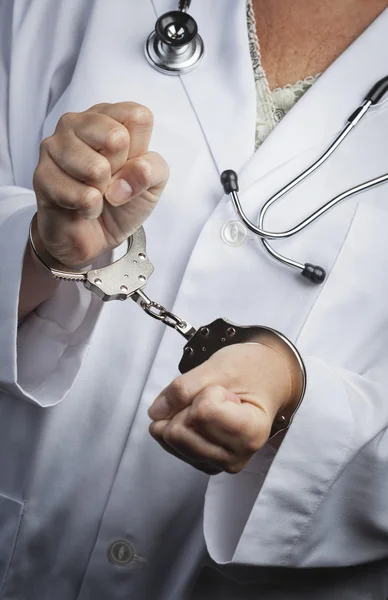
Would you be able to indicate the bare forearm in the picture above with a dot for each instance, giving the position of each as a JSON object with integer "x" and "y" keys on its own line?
{"x": 37, "y": 284}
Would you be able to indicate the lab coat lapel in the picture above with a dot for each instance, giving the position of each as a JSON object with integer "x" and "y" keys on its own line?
{"x": 222, "y": 89}
{"x": 325, "y": 108}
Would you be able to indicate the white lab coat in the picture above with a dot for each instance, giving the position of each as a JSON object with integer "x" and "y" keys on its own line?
{"x": 78, "y": 469}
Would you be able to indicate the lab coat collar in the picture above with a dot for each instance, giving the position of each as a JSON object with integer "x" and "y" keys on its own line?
{"x": 223, "y": 95}
{"x": 222, "y": 89}
{"x": 323, "y": 111}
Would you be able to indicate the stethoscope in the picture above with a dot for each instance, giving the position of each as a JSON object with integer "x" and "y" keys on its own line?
{"x": 174, "y": 48}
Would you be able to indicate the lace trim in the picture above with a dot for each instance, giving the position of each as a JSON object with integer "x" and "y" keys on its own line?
{"x": 271, "y": 106}
{"x": 299, "y": 85}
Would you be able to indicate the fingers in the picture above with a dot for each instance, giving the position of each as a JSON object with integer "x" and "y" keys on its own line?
{"x": 106, "y": 148}
{"x": 94, "y": 145}
{"x": 78, "y": 160}
{"x": 104, "y": 135}
{"x": 147, "y": 172}
{"x": 54, "y": 187}
{"x": 99, "y": 154}
{"x": 254, "y": 372}
{"x": 179, "y": 439}
{"x": 229, "y": 402}
{"x": 221, "y": 418}
{"x": 138, "y": 121}
{"x": 181, "y": 392}
{"x": 214, "y": 434}
{"x": 59, "y": 186}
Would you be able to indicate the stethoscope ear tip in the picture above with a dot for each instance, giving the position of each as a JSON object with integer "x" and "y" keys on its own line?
{"x": 229, "y": 181}
{"x": 314, "y": 273}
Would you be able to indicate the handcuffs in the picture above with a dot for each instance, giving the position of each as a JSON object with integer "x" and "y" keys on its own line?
{"x": 127, "y": 278}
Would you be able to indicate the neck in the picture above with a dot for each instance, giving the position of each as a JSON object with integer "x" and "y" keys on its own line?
{"x": 299, "y": 38}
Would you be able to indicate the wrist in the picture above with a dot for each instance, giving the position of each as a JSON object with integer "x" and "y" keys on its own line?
{"x": 286, "y": 399}
{"x": 42, "y": 254}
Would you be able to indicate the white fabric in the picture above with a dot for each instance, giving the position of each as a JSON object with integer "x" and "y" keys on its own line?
{"x": 78, "y": 469}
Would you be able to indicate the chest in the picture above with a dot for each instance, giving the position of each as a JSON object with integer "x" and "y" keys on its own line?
{"x": 299, "y": 40}
{"x": 204, "y": 124}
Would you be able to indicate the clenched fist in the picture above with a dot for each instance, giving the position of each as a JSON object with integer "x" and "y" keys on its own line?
{"x": 217, "y": 416}
{"x": 96, "y": 181}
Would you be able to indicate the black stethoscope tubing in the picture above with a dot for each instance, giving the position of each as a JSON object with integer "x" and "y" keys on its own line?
{"x": 174, "y": 48}
{"x": 229, "y": 180}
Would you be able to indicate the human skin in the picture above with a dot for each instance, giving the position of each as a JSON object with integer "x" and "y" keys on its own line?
{"x": 216, "y": 417}
{"x": 95, "y": 184}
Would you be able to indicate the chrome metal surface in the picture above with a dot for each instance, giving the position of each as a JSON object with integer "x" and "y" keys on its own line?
{"x": 58, "y": 270}
{"x": 221, "y": 333}
{"x": 127, "y": 275}
{"x": 352, "y": 122}
{"x": 321, "y": 211}
{"x": 174, "y": 61}
{"x": 117, "y": 281}
{"x": 160, "y": 313}
{"x": 271, "y": 235}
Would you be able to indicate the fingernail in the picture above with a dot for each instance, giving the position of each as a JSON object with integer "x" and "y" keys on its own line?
{"x": 119, "y": 192}
{"x": 160, "y": 409}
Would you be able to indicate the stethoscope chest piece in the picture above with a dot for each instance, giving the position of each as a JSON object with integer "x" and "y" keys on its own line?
{"x": 175, "y": 47}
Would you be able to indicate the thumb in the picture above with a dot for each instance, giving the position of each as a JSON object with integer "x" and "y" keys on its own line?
{"x": 147, "y": 172}
{"x": 184, "y": 389}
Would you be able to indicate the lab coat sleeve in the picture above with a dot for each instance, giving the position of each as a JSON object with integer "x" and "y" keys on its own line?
{"x": 321, "y": 499}
{"x": 39, "y": 361}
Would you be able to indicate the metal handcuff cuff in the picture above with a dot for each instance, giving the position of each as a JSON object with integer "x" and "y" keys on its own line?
{"x": 127, "y": 278}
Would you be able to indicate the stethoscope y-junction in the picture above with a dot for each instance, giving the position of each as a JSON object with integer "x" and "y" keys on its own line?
{"x": 175, "y": 48}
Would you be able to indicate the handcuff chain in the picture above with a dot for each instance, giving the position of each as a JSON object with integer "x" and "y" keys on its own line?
{"x": 160, "y": 313}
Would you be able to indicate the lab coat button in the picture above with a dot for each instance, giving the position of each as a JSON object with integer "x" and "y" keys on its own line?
{"x": 234, "y": 233}
{"x": 121, "y": 553}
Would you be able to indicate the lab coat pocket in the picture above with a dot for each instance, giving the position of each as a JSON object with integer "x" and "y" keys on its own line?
{"x": 10, "y": 514}
{"x": 348, "y": 322}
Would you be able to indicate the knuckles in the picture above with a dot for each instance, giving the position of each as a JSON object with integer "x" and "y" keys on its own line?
{"x": 89, "y": 200}
{"x": 98, "y": 171}
{"x": 37, "y": 176}
{"x": 174, "y": 434}
{"x": 140, "y": 115}
{"x": 141, "y": 172}
{"x": 117, "y": 140}
{"x": 45, "y": 145}
{"x": 180, "y": 392}
{"x": 203, "y": 413}
{"x": 66, "y": 121}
